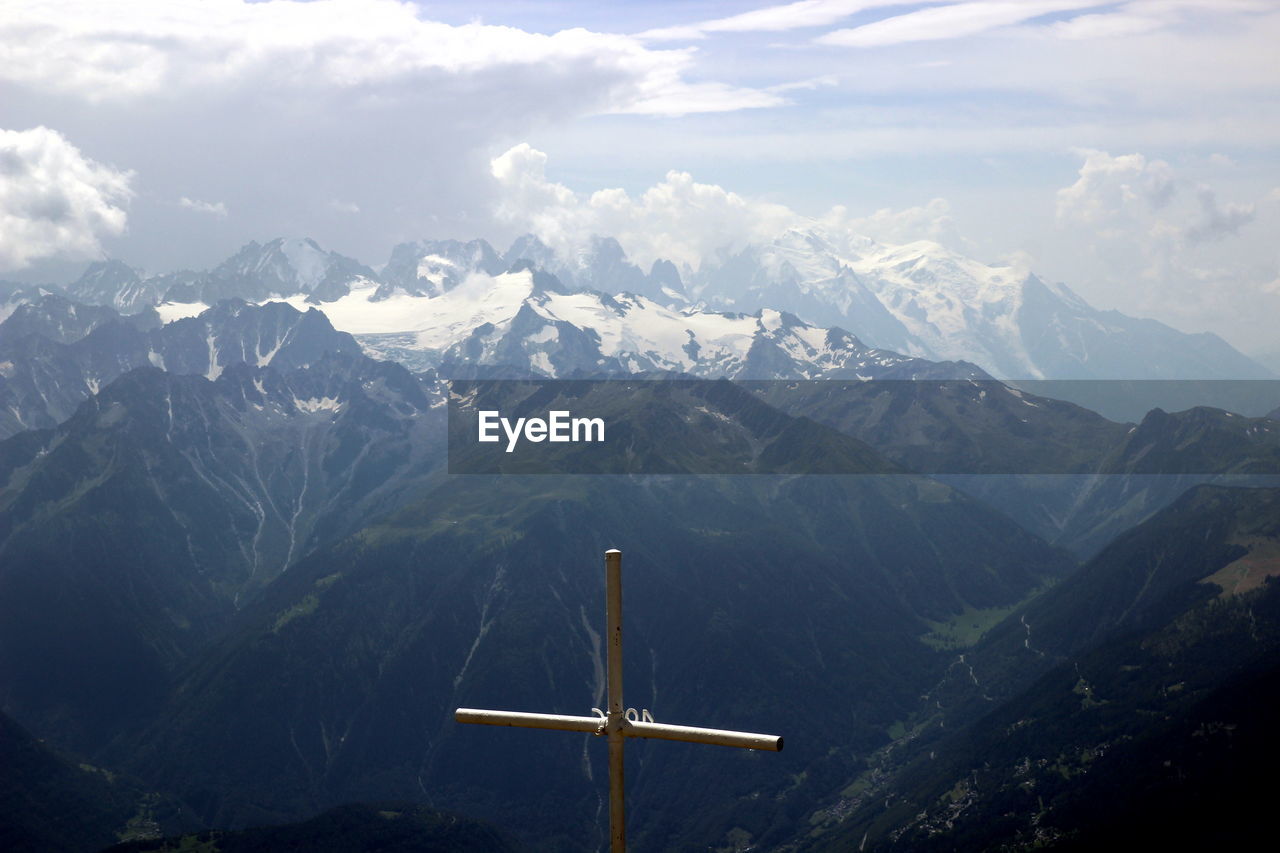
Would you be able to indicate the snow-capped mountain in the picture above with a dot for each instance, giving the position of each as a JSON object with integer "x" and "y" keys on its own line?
{"x": 925, "y": 300}
{"x": 601, "y": 265}
{"x": 115, "y": 284}
{"x": 280, "y": 267}
{"x": 47, "y": 369}
{"x": 431, "y": 267}
{"x": 283, "y": 267}
{"x": 528, "y": 321}
{"x": 59, "y": 319}
{"x": 918, "y": 299}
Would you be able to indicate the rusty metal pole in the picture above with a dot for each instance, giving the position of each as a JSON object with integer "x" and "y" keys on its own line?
{"x": 616, "y": 719}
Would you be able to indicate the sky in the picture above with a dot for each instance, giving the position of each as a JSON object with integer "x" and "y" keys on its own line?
{"x": 1128, "y": 149}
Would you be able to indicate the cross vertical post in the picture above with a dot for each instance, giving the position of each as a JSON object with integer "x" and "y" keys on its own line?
{"x": 616, "y": 720}
{"x": 618, "y": 724}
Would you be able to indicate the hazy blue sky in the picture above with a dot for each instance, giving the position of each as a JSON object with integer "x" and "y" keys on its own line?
{"x": 1127, "y": 148}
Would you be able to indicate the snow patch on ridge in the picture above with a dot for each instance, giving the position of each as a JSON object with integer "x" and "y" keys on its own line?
{"x": 639, "y": 333}
{"x": 215, "y": 369}
{"x": 318, "y": 404}
{"x": 170, "y": 311}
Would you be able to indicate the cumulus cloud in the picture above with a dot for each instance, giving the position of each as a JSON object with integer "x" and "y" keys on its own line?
{"x": 1111, "y": 190}
{"x": 122, "y": 51}
{"x": 678, "y": 218}
{"x": 54, "y": 201}
{"x": 682, "y": 220}
{"x": 1167, "y": 244}
{"x": 1217, "y": 222}
{"x": 215, "y": 208}
{"x": 931, "y": 221}
{"x": 275, "y": 109}
{"x": 1123, "y": 194}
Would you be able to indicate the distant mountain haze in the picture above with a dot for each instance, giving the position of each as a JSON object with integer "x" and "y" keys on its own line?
{"x": 919, "y": 299}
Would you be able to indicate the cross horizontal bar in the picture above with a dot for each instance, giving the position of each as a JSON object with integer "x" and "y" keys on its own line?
{"x": 693, "y": 734}
{"x": 562, "y": 722}
{"x": 629, "y": 728}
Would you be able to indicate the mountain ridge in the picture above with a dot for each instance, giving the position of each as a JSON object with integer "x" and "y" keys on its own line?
{"x": 1126, "y": 700}
{"x": 167, "y": 501}
{"x": 919, "y": 299}
{"x": 52, "y": 358}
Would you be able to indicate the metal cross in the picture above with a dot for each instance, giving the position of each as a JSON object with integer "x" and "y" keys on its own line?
{"x": 617, "y": 724}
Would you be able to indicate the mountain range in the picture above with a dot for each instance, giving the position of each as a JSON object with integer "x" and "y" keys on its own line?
{"x": 1063, "y": 471}
{"x": 213, "y": 526}
{"x": 235, "y": 567}
{"x": 55, "y": 353}
{"x": 925, "y": 300}
{"x": 167, "y": 499}
{"x": 919, "y": 300}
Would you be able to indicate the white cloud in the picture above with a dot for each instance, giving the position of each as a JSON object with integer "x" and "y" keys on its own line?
{"x": 779, "y": 18}
{"x": 122, "y": 51}
{"x": 1167, "y": 246}
{"x": 682, "y": 220}
{"x": 1140, "y": 17}
{"x": 1114, "y": 189}
{"x": 1216, "y": 222}
{"x": 529, "y": 201}
{"x": 677, "y": 219}
{"x": 931, "y": 221}
{"x": 275, "y": 109}
{"x": 954, "y": 19}
{"x": 673, "y": 98}
{"x": 54, "y": 201}
{"x": 820, "y": 82}
{"x": 216, "y": 208}
{"x": 1107, "y": 25}
{"x": 949, "y": 22}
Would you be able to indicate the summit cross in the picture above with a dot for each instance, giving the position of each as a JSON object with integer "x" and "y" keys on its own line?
{"x": 617, "y": 724}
